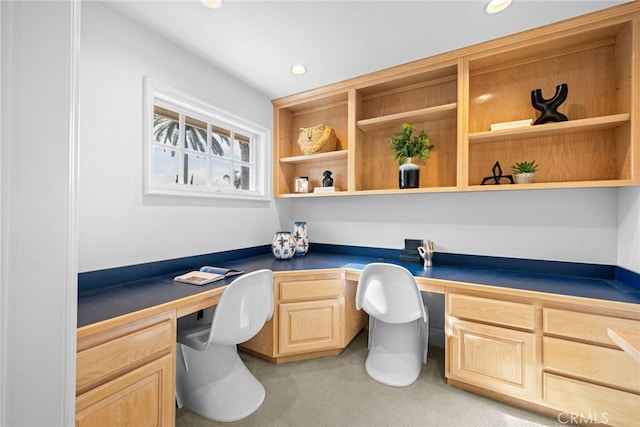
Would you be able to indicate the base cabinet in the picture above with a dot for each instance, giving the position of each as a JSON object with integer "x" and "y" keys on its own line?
{"x": 585, "y": 373}
{"x": 485, "y": 350}
{"x": 136, "y": 398}
{"x": 500, "y": 359}
{"x": 126, "y": 374}
{"x": 314, "y": 316}
{"x": 551, "y": 356}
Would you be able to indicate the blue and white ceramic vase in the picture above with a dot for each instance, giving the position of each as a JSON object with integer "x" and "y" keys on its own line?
{"x": 283, "y": 245}
{"x": 301, "y": 237}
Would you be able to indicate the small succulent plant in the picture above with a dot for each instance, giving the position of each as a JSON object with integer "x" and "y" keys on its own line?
{"x": 524, "y": 167}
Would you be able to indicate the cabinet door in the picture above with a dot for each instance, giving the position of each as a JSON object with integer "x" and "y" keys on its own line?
{"x": 309, "y": 326}
{"x": 498, "y": 359}
{"x": 143, "y": 397}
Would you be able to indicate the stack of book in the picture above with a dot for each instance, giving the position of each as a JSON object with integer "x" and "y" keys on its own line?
{"x": 410, "y": 252}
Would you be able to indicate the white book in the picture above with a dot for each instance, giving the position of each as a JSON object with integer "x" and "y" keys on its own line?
{"x": 511, "y": 125}
{"x": 325, "y": 189}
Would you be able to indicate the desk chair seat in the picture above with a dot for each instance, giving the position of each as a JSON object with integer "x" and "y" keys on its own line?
{"x": 211, "y": 379}
{"x": 398, "y": 324}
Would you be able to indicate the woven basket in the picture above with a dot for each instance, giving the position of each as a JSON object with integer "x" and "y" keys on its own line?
{"x": 317, "y": 139}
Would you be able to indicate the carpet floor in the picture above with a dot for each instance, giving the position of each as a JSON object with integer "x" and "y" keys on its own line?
{"x": 336, "y": 391}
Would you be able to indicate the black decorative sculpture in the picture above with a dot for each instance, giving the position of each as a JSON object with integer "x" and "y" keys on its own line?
{"x": 497, "y": 175}
{"x": 327, "y": 181}
{"x": 549, "y": 107}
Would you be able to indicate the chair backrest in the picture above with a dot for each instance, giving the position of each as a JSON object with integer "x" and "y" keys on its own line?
{"x": 388, "y": 292}
{"x": 243, "y": 309}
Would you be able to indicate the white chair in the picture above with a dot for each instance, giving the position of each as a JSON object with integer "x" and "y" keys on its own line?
{"x": 211, "y": 379}
{"x": 398, "y": 323}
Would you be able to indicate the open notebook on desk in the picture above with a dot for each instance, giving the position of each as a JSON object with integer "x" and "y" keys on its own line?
{"x": 206, "y": 274}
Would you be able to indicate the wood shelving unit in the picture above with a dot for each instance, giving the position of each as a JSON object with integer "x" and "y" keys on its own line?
{"x": 456, "y": 96}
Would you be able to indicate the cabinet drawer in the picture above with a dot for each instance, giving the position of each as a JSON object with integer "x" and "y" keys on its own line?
{"x": 592, "y": 363}
{"x": 309, "y": 289}
{"x": 104, "y": 361}
{"x": 487, "y": 310}
{"x": 600, "y": 404}
{"x": 583, "y": 326}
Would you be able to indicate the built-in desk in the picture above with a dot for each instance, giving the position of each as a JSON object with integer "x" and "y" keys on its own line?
{"x": 530, "y": 321}
{"x": 161, "y": 292}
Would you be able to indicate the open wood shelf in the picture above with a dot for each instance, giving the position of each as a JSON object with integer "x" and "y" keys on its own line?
{"x": 396, "y": 120}
{"x": 456, "y": 96}
{"x": 552, "y": 129}
{"x": 550, "y": 185}
{"x": 319, "y": 157}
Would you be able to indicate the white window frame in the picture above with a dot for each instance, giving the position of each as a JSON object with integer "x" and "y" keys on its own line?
{"x": 158, "y": 93}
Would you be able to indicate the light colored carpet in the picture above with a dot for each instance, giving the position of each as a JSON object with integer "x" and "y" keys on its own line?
{"x": 336, "y": 391}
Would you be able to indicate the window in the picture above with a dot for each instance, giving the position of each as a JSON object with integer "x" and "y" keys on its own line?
{"x": 194, "y": 149}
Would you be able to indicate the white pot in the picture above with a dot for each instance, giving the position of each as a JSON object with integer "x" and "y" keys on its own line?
{"x": 524, "y": 178}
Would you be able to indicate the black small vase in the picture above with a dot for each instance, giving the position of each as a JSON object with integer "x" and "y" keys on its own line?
{"x": 409, "y": 174}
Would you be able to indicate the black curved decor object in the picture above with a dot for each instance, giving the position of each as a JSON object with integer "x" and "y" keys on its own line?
{"x": 549, "y": 107}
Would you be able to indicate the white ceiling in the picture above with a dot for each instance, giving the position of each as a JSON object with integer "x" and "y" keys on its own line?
{"x": 259, "y": 40}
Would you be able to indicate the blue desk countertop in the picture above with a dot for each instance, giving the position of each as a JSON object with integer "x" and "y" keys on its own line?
{"x": 102, "y": 303}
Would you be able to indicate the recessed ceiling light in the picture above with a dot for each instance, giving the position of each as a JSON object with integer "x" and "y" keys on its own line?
{"x": 298, "y": 69}
{"x": 495, "y": 6}
{"x": 212, "y": 4}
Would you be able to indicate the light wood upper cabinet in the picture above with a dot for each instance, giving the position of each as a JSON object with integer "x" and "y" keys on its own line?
{"x": 327, "y": 108}
{"x": 427, "y": 99}
{"x": 595, "y": 146}
{"x": 456, "y": 96}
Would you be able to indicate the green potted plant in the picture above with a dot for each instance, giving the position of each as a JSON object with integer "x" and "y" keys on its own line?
{"x": 524, "y": 171}
{"x": 407, "y": 147}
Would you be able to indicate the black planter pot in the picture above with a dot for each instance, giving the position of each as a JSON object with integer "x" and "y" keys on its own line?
{"x": 408, "y": 174}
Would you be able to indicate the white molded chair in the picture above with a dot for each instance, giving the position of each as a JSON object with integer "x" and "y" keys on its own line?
{"x": 211, "y": 379}
{"x": 398, "y": 323}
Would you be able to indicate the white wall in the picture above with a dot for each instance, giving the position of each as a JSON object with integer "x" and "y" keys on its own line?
{"x": 577, "y": 225}
{"x": 629, "y": 228}
{"x": 118, "y": 226}
{"x": 38, "y": 264}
